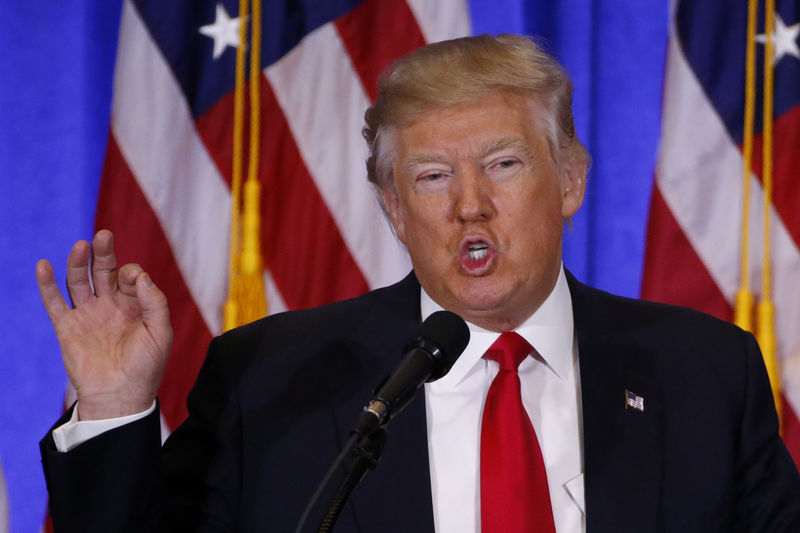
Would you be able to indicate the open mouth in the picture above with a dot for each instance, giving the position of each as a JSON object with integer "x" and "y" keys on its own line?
{"x": 477, "y": 250}
{"x": 477, "y": 256}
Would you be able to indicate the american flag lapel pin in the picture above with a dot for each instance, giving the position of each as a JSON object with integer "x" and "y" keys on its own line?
{"x": 634, "y": 401}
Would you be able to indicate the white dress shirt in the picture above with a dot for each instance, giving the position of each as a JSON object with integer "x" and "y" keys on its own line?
{"x": 551, "y": 396}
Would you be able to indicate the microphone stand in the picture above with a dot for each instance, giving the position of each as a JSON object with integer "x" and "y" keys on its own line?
{"x": 367, "y": 453}
{"x": 442, "y": 338}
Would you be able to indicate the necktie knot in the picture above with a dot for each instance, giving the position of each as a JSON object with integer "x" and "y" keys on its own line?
{"x": 509, "y": 350}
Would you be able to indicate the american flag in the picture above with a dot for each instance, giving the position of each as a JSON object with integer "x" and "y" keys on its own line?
{"x": 693, "y": 243}
{"x": 634, "y": 401}
{"x": 165, "y": 190}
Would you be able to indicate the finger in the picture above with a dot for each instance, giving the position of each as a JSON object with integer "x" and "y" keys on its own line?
{"x": 127, "y": 278}
{"x": 104, "y": 263}
{"x": 53, "y": 302}
{"x": 155, "y": 312}
{"x": 78, "y": 286}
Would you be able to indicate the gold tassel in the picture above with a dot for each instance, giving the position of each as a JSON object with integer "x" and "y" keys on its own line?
{"x": 246, "y": 294}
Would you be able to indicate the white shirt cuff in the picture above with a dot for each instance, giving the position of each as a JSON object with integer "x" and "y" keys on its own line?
{"x": 74, "y": 432}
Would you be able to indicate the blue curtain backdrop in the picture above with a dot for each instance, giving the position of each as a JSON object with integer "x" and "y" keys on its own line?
{"x": 55, "y": 90}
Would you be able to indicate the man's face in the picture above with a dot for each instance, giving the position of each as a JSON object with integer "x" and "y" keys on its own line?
{"x": 480, "y": 203}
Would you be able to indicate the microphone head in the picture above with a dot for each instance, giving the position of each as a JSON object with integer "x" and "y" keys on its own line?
{"x": 444, "y": 335}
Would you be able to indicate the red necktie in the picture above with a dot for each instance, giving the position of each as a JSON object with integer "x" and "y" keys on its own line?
{"x": 514, "y": 493}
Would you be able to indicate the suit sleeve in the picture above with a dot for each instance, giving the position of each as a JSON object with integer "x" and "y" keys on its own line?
{"x": 767, "y": 485}
{"x": 109, "y": 483}
{"x": 124, "y": 481}
{"x": 202, "y": 458}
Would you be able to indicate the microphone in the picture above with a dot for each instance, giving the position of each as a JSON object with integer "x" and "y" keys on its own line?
{"x": 442, "y": 338}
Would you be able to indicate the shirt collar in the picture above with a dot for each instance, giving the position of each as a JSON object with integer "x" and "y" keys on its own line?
{"x": 549, "y": 330}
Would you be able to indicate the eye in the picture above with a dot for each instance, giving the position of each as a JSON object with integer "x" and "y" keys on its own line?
{"x": 506, "y": 163}
{"x": 432, "y": 180}
{"x": 431, "y": 176}
{"x": 503, "y": 167}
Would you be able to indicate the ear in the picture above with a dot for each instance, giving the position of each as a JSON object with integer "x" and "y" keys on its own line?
{"x": 573, "y": 186}
{"x": 391, "y": 200}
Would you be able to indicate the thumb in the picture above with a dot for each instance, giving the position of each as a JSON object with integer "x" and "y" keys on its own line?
{"x": 155, "y": 311}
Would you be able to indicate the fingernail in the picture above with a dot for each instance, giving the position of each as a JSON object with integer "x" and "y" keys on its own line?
{"x": 146, "y": 281}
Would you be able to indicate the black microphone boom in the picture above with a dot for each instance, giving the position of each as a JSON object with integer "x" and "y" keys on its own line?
{"x": 442, "y": 338}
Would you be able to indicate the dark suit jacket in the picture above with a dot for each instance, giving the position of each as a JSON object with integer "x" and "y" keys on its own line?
{"x": 275, "y": 400}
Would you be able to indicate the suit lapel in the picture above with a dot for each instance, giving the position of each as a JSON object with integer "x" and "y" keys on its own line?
{"x": 622, "y": 444}
{"x": 403, "y": 469}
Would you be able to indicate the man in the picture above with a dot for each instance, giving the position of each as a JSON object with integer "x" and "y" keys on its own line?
{"x": 646, "y": 417}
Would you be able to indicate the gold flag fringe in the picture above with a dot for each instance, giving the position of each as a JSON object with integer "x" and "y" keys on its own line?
{"x": 743, "y": 313}
{"x": 765, "y": 310}
{"x": 246, "y": 295}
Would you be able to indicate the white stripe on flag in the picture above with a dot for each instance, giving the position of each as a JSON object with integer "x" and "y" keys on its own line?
{"x": 274, "y": 298}
{"x": 337, "y": 164}
{"x": 156, "y": 134}
{"x": 699, "y": 175}
{"x": 441, "y": 20}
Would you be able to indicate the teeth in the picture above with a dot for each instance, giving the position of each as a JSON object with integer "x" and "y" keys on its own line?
{"x": 477, "y": 255}
{"x": 478, "y": 251}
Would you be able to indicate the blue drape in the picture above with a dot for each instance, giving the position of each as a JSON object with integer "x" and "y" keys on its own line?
{"x": 55, "y": 93}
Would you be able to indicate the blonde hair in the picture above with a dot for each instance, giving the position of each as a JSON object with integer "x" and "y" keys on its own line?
{"x": 462, "y": 70}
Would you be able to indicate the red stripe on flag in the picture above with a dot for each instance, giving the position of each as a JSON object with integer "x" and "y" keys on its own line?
{"x": 302, "y": 246}
{"x": 682, "y": 279}
{"x": 673, "y": 273}
{"x": 791, "y": 431}
{"x": 786, "y": 161}
{"x": 374, "y": 34}
{"x": 123, "y": 208}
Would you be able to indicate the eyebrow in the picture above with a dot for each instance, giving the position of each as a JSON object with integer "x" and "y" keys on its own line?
{"x": 494, "y": 145}
{"x": 419, "y": 159}
{"x": 503, "y": 143}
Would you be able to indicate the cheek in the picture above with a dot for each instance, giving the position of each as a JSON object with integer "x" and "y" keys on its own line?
{"x": 428, "y": 236}
{"x": 415, "y": 225}
{"x": 537, "y": 219}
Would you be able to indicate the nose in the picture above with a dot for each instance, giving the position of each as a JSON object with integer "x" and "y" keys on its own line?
{"x": 472, "y": 196}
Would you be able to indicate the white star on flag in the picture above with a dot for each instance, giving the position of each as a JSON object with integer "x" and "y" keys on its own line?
{"x": 224, "y": 31}
{"x": 784, "y": 40}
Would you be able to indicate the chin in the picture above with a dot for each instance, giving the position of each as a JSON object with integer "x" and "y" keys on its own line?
{"x": 482, "y": 295}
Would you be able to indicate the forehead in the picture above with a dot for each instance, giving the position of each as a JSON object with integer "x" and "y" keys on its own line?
{"x": 494, "y": 122}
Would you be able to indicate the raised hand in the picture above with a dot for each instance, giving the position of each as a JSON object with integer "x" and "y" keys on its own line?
{"x": 116, "y": 337}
